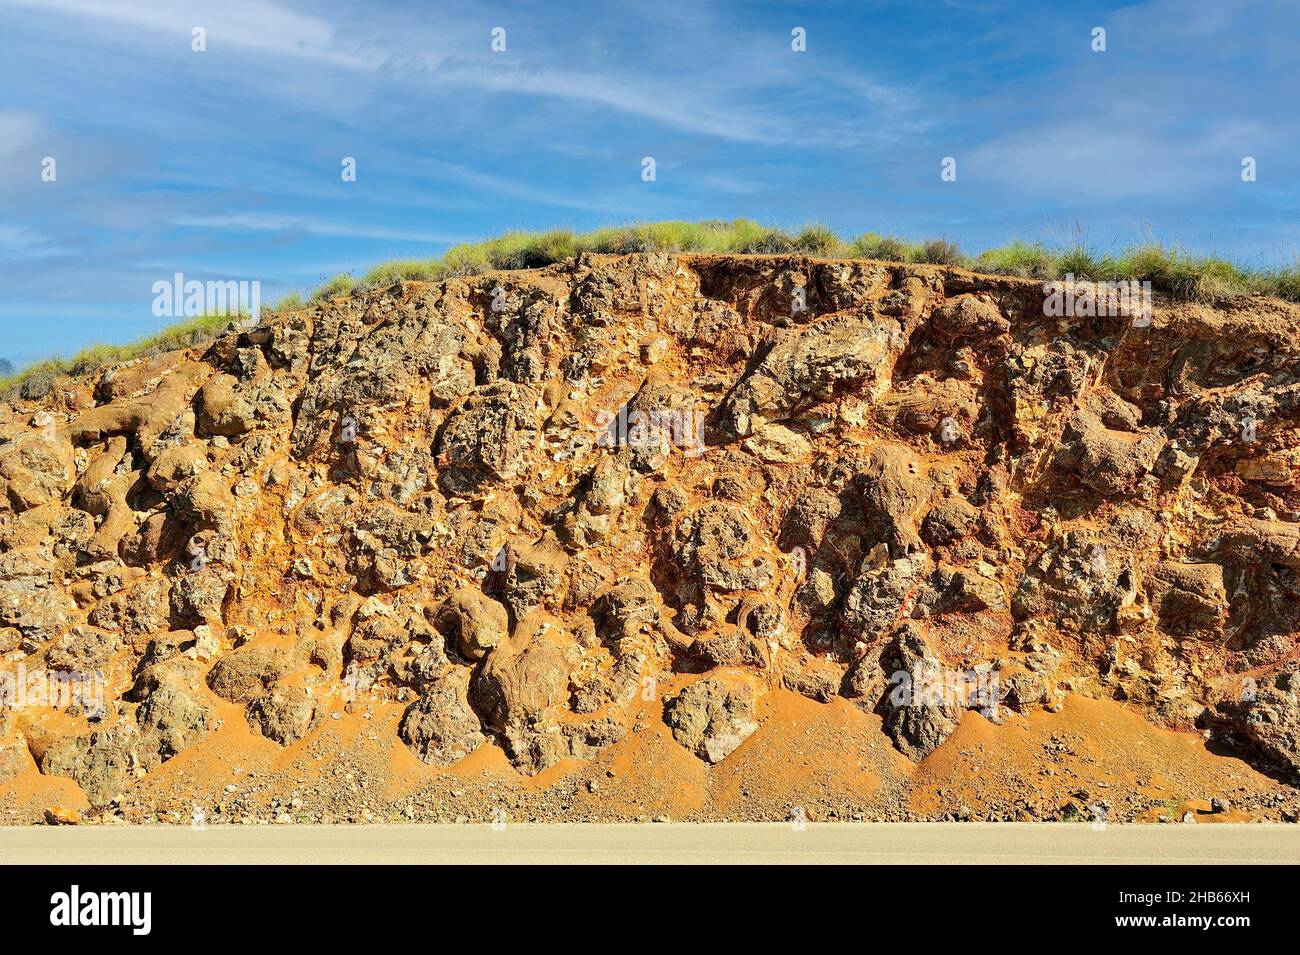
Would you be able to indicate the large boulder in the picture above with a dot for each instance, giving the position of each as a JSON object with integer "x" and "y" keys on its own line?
{"x": 804, "y": 365}
{"x": 286, "y": 713}
{"x": 473, "y": 621}
{"x": 440, "y": 727}
{"x": 919, "y": 707}
{"x": 103, "y": 762}
{"x": 713, "y": 715}
{"x": 490, "y": 438}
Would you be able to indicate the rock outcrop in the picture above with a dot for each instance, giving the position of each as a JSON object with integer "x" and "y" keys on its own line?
{"x": 520, "y": 503}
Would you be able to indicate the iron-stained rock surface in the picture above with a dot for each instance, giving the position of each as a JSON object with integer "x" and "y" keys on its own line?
{"x": 570, "y": 486}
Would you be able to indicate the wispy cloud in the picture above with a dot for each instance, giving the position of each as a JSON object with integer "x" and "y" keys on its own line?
{"x": 307, "y": 225}
{"x": 250, "y": 25}
{"x": 227, "y": 162}
{"x": 19, "y": 243}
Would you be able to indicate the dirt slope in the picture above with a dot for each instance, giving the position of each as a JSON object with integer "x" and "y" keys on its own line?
{"x": 664, "y": 535}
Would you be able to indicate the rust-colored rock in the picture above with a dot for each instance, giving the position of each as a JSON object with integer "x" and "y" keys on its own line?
{"x": 508, "y": 510}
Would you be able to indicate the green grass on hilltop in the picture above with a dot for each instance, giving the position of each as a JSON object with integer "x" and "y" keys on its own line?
{"x": 1171, "y": 271}
{"x": 35, "y": 381}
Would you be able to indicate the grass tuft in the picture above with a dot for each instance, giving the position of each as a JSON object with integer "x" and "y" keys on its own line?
{"x": 341, "y": 284}
{"x": 1030, "y": 261}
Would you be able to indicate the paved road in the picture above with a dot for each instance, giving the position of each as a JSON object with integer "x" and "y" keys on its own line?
{"x": 749, "y": 843}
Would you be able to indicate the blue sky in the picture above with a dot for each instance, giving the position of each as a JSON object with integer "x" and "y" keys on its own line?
{"x": 225, "y": 164}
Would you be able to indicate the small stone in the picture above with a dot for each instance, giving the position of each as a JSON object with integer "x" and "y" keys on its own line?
{"x": 777, "y": 444}
{"x": 654, "y": 350}
{"x": 62, "y": 816}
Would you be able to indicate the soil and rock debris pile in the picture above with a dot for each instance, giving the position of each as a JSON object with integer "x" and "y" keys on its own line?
{"x": 659, "y": 514}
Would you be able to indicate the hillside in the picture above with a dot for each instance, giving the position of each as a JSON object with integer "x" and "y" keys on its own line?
{"x": 686, "y": 535}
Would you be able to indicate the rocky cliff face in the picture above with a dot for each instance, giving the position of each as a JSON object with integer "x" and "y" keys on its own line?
{"x": 521, "y": 505}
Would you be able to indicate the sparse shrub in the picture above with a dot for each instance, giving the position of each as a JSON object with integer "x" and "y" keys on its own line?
{"x": 1181, "y": 276}
{"x": 529, "y": 250}
{"x": 742, "y": 235}
{"x": 465, "y": 259}
{"x": 36, "y": 381}
{"x": 288, "y": 303}
{"x": 770, "y": 242}
{"x": 1285, "y": 283}
{"x": 1027, "y": 260}
{"x": 941, "y": 252}
{"x": 341, "y": 284}
{"x": 818, "y": 240}
{"x": 399, "y": 270}
{"x": 869, "y": 245}
{"x": 620, "y": 241}
{"x": 1082, "y": 264}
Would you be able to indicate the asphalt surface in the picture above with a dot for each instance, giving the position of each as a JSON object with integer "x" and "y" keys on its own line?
{"x": 747, "y": 843}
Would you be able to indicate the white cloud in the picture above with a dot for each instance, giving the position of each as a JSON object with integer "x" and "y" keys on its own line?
{"x": 276, "y": 222}
{"x": 1114, "y": 156}
{"x": 726, "y": 102}
{"x": 19, "y": 243}
{"x": 253, "y": 25}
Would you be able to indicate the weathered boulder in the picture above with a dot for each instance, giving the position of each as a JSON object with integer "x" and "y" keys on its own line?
{"x": 1189, "y": 598}
{"x": 492, "y": 437}
{"x": 1110, "y": 462}
{"x": 713, "y": 715}
{"x": 30, "y": 600}
{"x": 473, "y": 621}
{"x": 893, "y": 492}
{"x": 1268, "y": 714}
{"x": 441, "y": 727}
{"x": 82, "y": 650}
{"x": 522, "y": 686}
{"x": 534, "y": 575}
{"x": 719, "y": 546}
{"x": 15, "y": 759}
{"x": 527, "y": 675}
{"x": 285, "y": 713}
{"x": 103, "y": 762}
{"x": 247, "y": 673}
{"x": 877, "y": 597}
{"x": 921, "y": 707}
{"x": 36, "y": 468}
{"x": 806, "y": 364}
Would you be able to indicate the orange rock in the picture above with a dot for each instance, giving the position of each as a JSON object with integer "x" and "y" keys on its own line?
{"x": 62, "y": 816}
